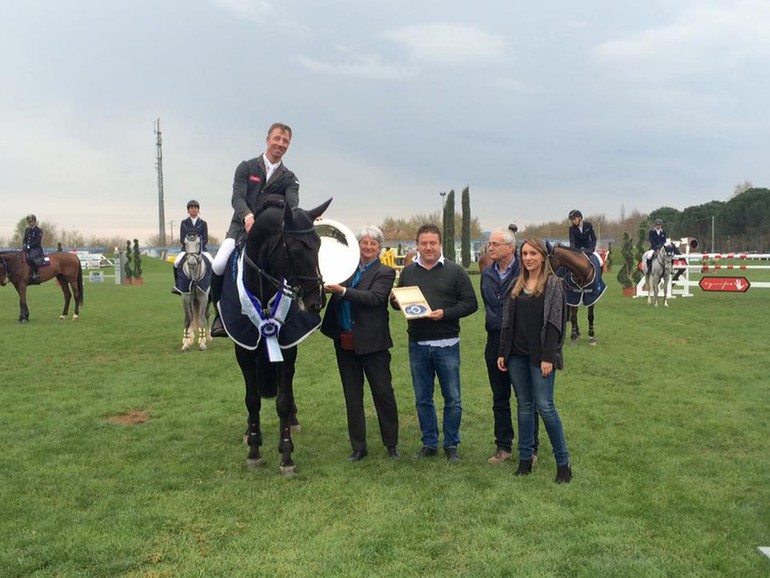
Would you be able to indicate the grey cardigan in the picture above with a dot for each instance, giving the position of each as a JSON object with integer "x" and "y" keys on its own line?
{"x": 554, "y": 313}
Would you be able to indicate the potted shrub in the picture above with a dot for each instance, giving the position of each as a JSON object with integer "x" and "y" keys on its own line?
{"x": 138, "y": 280}
{"x": 128, "y": 268}
{"x": 627, "y": 267}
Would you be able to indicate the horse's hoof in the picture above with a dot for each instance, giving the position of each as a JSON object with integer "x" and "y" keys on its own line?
{"x": 185, "y": 347}
{"x": 62, "y": 317}
{"x": 592, "y": 341}
{"x": 202, "y": 346}
{"x": 254, "y": 464}
{"x": 287, "y": 471}
{"x": 75, "y": 317}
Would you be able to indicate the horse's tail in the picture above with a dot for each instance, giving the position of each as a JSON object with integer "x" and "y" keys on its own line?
{"x": 80, "y": 285}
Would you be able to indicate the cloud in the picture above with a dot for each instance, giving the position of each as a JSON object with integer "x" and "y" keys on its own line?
{"x": 367, "y": 66}
{"x": 254, "y": 10}
{"x": 705, "y": 38}
{"x": 448, "y": 44}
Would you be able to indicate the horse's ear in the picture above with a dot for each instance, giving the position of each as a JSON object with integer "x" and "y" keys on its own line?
{"x": 319, "y": 210}
{"x": 548, "y": 247}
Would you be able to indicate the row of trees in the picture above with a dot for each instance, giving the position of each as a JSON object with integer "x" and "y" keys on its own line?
{"x": 739, "y": 224}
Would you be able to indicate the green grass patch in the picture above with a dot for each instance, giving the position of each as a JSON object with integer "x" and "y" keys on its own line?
{"x": 666, "y": 422}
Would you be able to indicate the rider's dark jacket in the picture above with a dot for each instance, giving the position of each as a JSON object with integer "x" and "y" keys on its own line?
{"x": 657, "y": 239}
{"x": 584, "y": 240}
{"x": 198, "y": 228}
{"x": 33, "y": 242}
{"x": 250, "y": 188}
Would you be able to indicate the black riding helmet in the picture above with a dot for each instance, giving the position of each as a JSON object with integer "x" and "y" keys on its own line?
{"x": 574, "y": 213}
{"x": 193, "y": 203}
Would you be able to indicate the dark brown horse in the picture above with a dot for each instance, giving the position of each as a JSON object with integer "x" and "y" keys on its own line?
{"x": 65, "y": 267}
{"x": 582, "y": 276}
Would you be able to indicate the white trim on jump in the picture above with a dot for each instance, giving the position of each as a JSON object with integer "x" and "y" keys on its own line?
{"x": 681, "y": 287}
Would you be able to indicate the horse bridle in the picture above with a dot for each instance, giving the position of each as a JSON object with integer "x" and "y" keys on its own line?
{"x": 293, "y": 291}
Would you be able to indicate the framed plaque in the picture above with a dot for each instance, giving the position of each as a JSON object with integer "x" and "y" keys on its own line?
{"x": 412, "y": 302}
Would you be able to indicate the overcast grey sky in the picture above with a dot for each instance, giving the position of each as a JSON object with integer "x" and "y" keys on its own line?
{"x": 601, "y": 105}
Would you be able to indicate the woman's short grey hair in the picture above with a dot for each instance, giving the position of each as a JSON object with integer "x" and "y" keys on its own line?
{"x": 373, "y": 233}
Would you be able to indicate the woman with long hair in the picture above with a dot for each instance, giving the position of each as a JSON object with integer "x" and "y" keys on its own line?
{"x": 531, "y": 340}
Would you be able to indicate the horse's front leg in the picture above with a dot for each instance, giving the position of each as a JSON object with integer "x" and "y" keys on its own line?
{"x": 591, "y": 335}
{"x": 648, "y": 282}
{"x": 284, "y": 404}
{"x": 187, "y": 337}
{"x": 573, "y": 319}
{"x": 248, "y": 362}
{"x": 23, "y": 309}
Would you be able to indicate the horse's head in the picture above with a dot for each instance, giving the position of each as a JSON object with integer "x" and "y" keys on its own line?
{"x": 286, "y": 244}
{"x": 192, "y": 243}
{"x": 8, "y": 265}
{"x": 564, "y": 261}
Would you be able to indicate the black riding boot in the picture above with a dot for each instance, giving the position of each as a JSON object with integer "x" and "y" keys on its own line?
{"x": 174, "y": 290}
{"x": 217, "y": 328}
{"x": 34, "y": 279}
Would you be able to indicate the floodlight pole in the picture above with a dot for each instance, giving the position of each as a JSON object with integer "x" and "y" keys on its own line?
{"x": 159, "y": 169}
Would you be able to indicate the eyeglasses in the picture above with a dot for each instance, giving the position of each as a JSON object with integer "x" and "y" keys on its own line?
{"x": 496, "y": 244}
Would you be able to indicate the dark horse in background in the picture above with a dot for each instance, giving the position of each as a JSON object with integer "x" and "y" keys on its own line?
{"x": 582, "y": 276}
{"x": 65, "y": 267}
{"x": 271, "y": 298}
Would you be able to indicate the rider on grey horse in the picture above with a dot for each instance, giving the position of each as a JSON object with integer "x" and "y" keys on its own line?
{"x": 657, "y": 238}
{"x": 192, "y": 225}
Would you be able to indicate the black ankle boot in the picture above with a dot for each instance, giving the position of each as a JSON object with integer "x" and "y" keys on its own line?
{"x": 525, "y": 468}
{"x": 563, "y": 474}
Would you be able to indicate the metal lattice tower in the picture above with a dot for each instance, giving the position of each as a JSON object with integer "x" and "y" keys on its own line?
{"x": 159, "y": 169}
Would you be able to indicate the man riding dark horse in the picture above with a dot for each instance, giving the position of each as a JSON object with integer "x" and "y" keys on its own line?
{"x": 33, "y": 248}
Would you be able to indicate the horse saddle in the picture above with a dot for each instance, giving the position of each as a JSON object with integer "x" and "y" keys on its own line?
{"x": 589, "y": 295}
{"x": 184, "y": 284}
{"x": 298, "y": 325}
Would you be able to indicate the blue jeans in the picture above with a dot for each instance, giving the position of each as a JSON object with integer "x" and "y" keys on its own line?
{"x": 425, "y": 362}
{"x": 535, "y": 391}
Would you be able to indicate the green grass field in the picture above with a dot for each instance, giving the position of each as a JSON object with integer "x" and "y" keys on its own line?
{"x": 666, "y": 421}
